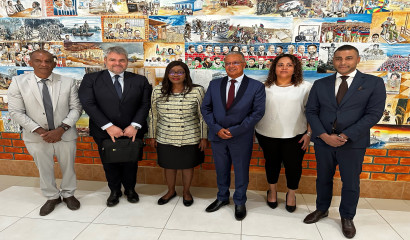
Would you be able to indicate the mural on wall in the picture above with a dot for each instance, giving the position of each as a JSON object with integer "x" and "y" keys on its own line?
{"x": 125, "y": 29}
{"x": 61, "y": 8}
{"x": 21, "y": 8}
{"x": 166, "y": 28}
{"x": 81, "y": 29}
{"x": 102, "y": 7}
{"x": 390, "y": 137}
{"x": 392, "y": 27}
{"x": 160, "y": 54}
{"x": 227, "y": 7}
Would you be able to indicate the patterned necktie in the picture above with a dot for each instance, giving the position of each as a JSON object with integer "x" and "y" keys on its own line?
{"x": 48, "y": 105}
{"x": 231, "y": 94}
{"x": 342, "y": 89}
{"x": 117, "y": 86}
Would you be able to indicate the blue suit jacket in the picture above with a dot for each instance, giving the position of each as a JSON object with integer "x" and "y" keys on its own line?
{"x": 361, "y": 108}
{"x": 246, "y": 110}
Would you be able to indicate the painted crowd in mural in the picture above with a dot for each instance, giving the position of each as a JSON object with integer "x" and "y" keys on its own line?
{"x": 202, "y": 32}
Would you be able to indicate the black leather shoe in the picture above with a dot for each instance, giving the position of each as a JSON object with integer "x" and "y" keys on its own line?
{"x": 272, "y": 205}
{"x": 132, "y": 196}
{"x": 163, "y": 201}
{"x": 216, "y": 205}
{"x": 72, "y": 203}
{"x": 348, "y": 228}
{"x": 290, "y": 209}
{"x": 49, "y": 206}
{"x": 315, "y": 216}
{"x": 187, "y": 203}
{"x": 113, "y": 199}
{"x": 240, "y": 212}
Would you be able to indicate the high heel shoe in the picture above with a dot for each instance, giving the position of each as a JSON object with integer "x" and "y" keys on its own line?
{"x": 290, "y": 208}
{"x": 272, "y": 205}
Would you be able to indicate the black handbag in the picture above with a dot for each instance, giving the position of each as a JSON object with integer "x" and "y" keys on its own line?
{"x": 122, "y": 150}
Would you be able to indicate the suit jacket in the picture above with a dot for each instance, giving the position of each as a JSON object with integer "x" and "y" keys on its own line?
{"x": 27, "y": 109}
{"x": 246, "y": 110}
{"x": 361, "y": 108}
{"x": 100, "y": 101}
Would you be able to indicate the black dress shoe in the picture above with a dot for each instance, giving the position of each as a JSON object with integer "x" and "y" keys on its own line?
{"x": 49, "y": 206}
{"x": 240, "y": 212}
{"x": 113, "y": 199}
{"x": 132, "y": 196}
{"x": 315, "y": 216}
{"x": 272, "y": 205}
{"x": 216, "y": 205}
{"x": 290, "y": 209}
{"x": 72, "y": 203}
{"x": 187, "y": 203}
{"x": 348, "y": 228}
{"x": 163, "y": 201}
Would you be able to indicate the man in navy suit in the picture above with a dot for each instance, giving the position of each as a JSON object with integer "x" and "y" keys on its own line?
{"x": 232, "y": 106}
{"x": 117, "y": 102}
{"x": 341, "y": 109}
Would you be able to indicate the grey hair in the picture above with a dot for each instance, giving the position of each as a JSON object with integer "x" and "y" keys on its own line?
{"x": 116, "y": 49}
{"x": 236, "y": 53}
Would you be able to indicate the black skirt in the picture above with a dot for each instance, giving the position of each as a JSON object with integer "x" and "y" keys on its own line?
{"x": 172, "y": 157}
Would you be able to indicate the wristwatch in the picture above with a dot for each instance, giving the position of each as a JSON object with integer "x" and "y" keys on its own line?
{"x": 65, "y": 127}
{"x": 137, "y": 128}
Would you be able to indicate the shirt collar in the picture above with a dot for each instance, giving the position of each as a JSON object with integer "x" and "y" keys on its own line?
{"x": 352, "y": 74}
{"x": 113, "y": 74}
{"x": 238, "y": 79}
{"x": 38, "y": 79}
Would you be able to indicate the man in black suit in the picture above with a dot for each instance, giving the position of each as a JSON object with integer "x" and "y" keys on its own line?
{"x": 341, "y": 109}
{"x": 117, "y": 103}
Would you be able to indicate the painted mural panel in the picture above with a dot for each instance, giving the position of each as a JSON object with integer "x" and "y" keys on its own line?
{"x": 125, "y": 29}
{"x": 102, "y": 7}
{"x": 166, "y": 28}
{"x": 227, "y": 7}
{"x": 61, "y": 8}
{"x": 160, "y": 54}
{"x": 21, "y": 8}
{"x": 392, "y": 27}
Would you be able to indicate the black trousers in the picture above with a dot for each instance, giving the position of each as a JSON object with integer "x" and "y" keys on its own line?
{"x": 286, "y": 150}
{"x": 118, "y": 173}
{"x": 350, "y": 166}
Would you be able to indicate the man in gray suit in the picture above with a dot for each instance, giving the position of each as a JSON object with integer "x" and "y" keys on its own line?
{"x": 46, "y": 105}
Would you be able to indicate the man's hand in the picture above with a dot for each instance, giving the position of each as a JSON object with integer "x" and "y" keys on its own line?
{"x": 203, "y": 144}
{"x": 130, "y": 132}
{"x": 224, "y": 133}
{"x": 333, "y": 140}
{"x": 53, "y": 136}
{"x": 151, "y": 141}
{"x": 114, "y": 132}
{"x": 40, "y": 131}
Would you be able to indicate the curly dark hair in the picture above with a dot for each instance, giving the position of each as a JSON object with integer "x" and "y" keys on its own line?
{"x": 166, "y": 88}
{"x": 297, "y": 77}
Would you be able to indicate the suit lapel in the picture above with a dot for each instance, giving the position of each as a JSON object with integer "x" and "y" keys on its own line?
{"x": 331, "y": 89}
{"x": 32, "y": 82}
{"x": 56, "y": 90}
{"x": 241, "y": 91}
{"x": 356, "y": 83}
{"x": 108, "y": 81}
{"x": 127, "y": 84}
{"x": 224, "y": 82}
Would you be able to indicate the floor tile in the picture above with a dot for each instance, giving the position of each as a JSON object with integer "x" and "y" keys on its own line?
{"x": 32, "y": 182}
{"x": 7, "y": 221}
{"x": 19, "y": 201}
{"x": 110, "y": 232}
{"x": 12, "y": 180}
{"x": 310, "y": 200}
{"x": 264, "y": 221}
{"x": 92, "y": 186}
{"x": 145, "y": 213}
{"x": 39, "y": 229}
{"x": 399, "y": 221}
{"x": 189, "y": 235}
{"x": 245, "y": 237}
{"x": 389, "y": 204}
{"x": 195, "y": 218}
{"x": 369, "y": 225}
{"x": 92, "y": 204}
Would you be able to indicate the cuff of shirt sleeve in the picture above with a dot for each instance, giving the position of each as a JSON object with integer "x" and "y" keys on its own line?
{"x": 134, "y": 124}
{"x": 106, "y": 126}
{"x": 35, "y": 129}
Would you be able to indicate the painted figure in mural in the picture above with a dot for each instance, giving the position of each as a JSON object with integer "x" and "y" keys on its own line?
{"x": 186, "y": 143}
{"x": 341, "y": 125}
{"x": 287, "y": 137}
{"x": 128, "y": 96}
{"x": 36, "y": 9}
{"x": 232, "y": 106}
{"x": 50, "y": 131}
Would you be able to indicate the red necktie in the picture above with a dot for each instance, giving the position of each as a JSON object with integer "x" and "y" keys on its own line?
{"x": 231, "y": 94}
{"x": 342, "y": 89}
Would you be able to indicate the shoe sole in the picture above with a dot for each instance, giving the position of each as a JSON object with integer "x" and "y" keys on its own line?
{"x": 318, "y": 219}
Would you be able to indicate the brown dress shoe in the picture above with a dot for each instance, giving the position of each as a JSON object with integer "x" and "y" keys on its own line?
{"x": 348, "y": 228}
{"x": 49, "y": 206}
{"x": 72, "y": 203}
{"x": 315, "y": 216}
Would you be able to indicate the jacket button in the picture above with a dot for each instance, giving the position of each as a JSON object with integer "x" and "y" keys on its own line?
{"x": 180, "y": 109}
{"x": 169, "y": 126}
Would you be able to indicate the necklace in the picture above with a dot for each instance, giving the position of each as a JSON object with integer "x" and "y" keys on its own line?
{"x": 285, "y": 85}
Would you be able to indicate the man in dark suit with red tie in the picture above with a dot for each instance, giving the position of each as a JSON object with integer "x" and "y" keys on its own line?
{"x": 341, "y": 109}
{"x": 117, "y": 103}
{"x": 231, "y": 107}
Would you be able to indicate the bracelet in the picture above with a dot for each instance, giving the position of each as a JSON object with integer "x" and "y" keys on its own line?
{"x": 341, "y": 136}
{"x": 309, "y": 134}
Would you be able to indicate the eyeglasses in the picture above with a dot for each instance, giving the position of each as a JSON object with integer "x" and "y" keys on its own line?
{"x": 176, "y": 73}
{"x": 285, "y": 65}
{"x": 233, "y": 63}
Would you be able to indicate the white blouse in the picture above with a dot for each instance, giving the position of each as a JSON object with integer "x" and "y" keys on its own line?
{"x": 285, "y": 111}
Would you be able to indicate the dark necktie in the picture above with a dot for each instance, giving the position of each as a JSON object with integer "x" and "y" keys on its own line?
{"x": 48, "y": 105}
{"x": 117, "y": 86}
{"x": 231, "y": 94}
{"x": 342, "y": 89}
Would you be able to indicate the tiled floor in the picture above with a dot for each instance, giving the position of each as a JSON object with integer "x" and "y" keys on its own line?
{"x": 21, "y": 199}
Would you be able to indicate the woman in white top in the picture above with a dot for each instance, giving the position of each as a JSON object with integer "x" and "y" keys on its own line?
{"x": 283, "y": 132}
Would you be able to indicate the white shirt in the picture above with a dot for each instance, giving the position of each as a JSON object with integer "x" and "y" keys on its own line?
{"x": 349, "y": 80}
{"x": 49, "y": 87}
{"x": 285, "y": 111}
{"x": 237, "y": 85}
